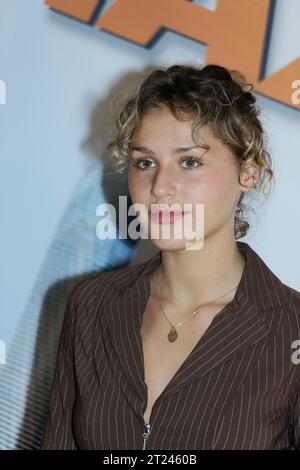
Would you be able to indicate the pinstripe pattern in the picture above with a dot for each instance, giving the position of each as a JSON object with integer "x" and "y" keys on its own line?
{"x": 237, "y": 389}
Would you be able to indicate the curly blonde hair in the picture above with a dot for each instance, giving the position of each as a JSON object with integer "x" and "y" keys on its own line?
{"x": 211, "y": 95}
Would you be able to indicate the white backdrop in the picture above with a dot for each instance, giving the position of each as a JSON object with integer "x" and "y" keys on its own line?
{"x": 58, "y": 71}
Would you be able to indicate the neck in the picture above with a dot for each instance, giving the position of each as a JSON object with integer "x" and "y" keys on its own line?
{"x": 192, "y": 278}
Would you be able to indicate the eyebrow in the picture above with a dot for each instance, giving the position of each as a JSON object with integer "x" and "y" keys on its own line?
{"x": 144, "y": 149}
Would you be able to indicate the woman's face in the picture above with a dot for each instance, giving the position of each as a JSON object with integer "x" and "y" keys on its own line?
{"x": 167, "y": 166}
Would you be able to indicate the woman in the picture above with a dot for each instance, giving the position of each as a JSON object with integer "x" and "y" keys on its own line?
{"x": 191, "y": 349}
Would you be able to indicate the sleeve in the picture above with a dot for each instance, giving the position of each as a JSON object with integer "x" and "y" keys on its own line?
{"x": 58, "y": 432}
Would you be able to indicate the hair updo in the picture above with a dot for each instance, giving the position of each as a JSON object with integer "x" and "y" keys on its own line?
{"x": 211, "y": 95}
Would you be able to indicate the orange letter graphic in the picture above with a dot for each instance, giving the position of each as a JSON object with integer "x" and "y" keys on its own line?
{"x": 235, "y": 34}
{"x": 80, "y": 9}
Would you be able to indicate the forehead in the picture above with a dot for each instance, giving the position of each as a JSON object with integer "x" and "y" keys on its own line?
{"x": 163, "y": 126}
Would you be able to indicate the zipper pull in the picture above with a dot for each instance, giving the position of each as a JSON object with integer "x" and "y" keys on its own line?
{"x": 147, "y": 430}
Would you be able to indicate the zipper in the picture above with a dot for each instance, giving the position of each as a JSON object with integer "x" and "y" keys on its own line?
{"x": 147, "y": 431}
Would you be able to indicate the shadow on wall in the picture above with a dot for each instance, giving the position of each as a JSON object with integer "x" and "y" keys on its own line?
{"x": 74, "y": 254}
{"x": 102, "y": 130}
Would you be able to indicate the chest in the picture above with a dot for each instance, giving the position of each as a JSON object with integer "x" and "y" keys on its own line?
{"x": 162, "y": 358}
{"x": 236, "y": 396}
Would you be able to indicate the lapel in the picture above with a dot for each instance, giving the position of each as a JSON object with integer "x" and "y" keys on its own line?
{"x": 242, "y": 323}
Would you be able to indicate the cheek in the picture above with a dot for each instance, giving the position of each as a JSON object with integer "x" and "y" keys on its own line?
{"x": 215, "y": 189}
{"x": 137, "y": 185}
{"x": 222, "y": 181}
{"x": 205, "y": 187}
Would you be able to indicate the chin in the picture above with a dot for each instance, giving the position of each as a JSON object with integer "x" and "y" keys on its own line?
{"x": 177, "y": 245}
{"x": 171, "y": 237}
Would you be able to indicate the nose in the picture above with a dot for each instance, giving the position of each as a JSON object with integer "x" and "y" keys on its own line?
{"x": 163, "y": 184}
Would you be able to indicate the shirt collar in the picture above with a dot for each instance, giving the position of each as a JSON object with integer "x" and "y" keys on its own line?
{"x": 258, "y": 285}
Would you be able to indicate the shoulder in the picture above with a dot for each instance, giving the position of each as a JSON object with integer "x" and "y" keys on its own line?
{"x": 96, "y": 290}
{"x": 293, "y": 296}
{"x": 291, "y": 321}
{"x": 87, "y": 297}
{"x": 286, "y": 316}
{"x": 278, "y": 302}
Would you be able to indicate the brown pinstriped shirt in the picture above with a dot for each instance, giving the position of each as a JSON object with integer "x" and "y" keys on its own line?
{"x": 238, "y": 388}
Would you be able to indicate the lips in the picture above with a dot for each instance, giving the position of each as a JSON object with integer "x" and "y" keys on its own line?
{"x": 164, "y": 209}
{"x": 167, "y": 216}
{"x": 166, "y": 212}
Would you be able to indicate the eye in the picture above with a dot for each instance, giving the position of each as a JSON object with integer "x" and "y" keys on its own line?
{"x": 137, "y": 162}
{"x": 192, "y": 160}
{"x": 144, "y": 164}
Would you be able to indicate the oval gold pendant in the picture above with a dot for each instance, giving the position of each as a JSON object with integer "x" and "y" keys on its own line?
{"x": 172, "y": 336}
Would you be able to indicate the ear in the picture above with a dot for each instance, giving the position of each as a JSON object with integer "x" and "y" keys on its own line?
{"x": 249, "y": 177}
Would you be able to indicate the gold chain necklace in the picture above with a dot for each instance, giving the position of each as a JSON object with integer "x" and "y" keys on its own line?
{"x": 173, "y": 335}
